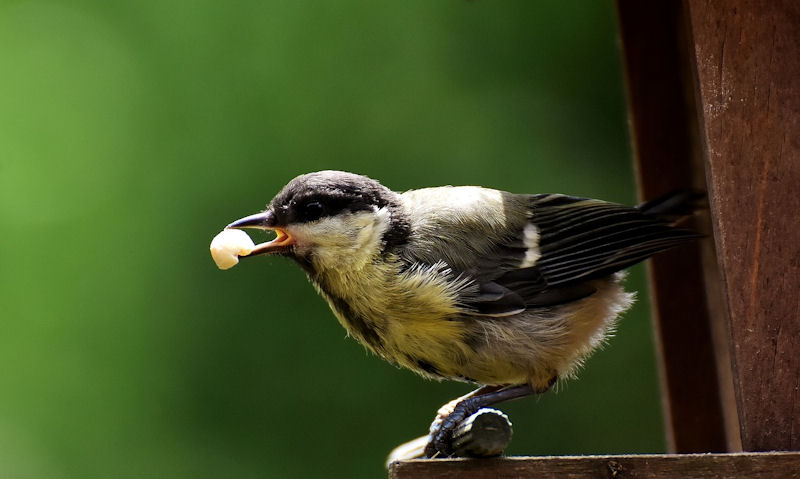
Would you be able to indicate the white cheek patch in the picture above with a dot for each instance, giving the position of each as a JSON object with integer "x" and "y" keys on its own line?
{"x": 328, "y": 232}
{"x": 342, "y": 239}
{"x": 373, "y": 226}
{"x": 530, "y": 239}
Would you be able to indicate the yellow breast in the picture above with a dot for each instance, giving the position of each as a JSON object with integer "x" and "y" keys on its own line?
{"x": 407, "y": 317}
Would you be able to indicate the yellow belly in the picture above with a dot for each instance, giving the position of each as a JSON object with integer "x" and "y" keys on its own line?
{"x": 414, "y": 321}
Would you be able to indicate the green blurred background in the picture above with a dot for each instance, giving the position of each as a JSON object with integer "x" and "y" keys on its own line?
{"x": 132, "y": 132}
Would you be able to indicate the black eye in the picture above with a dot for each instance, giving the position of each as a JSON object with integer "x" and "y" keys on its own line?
{"x": 313, "y": 210}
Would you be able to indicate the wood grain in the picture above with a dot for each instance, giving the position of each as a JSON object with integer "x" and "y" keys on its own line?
{"x": 699, "y": 466}
{"x": 695, "y": 375}
{"x": 748, "y": 79}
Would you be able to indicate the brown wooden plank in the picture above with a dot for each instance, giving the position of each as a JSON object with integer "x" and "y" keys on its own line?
{"x": 748, "y": 77}
{"x": 668, "y": 157}
{"x": 700, "y": 466}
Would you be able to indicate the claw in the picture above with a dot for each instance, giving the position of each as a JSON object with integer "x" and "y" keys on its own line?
{"x": 451, "y": 414}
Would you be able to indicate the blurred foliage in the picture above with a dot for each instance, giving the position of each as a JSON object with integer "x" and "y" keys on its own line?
{"x": 131, "y": 132}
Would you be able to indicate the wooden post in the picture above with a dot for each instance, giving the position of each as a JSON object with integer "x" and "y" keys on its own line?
{"x": 695, "y": 375}
{"x": 748, "y": 82}
{"x": 714, "y": 88}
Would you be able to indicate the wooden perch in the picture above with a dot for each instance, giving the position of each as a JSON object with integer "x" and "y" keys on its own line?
{"x": 770, "y": 465}
{"x": 486, "y": 433}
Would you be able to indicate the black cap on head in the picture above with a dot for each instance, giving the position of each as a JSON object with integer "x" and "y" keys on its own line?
{"x": 328, "y": 193}
{"x": 321, "y": 194}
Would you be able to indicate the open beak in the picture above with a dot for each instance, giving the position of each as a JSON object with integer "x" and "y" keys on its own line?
{"x": 266, "y": 220}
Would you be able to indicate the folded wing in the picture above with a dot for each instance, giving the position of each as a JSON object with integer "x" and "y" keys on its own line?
{"x": 577, "y": 240}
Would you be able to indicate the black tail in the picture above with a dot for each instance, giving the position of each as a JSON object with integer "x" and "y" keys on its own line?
{"x": 674, "y": 205}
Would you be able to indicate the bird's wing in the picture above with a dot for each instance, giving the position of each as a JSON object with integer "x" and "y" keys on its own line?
{"x": 581, "y": 239}
{"x": 566, "y": 242}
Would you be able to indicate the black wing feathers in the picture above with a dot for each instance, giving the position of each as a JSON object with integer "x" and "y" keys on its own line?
{"x": 582, "y": 239}
{"x": 579, "y": 239}
{"x": 496, "y": 300}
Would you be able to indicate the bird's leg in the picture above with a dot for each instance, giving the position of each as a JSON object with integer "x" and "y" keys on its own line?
{"x": 448, "y": 408}
{"x": 452, "y": 413}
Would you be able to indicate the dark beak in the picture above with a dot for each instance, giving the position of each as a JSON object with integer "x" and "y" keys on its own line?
{"x": 266, "y": 220}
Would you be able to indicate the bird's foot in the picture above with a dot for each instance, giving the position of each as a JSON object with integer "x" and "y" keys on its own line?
{"x": 449, "y": 416}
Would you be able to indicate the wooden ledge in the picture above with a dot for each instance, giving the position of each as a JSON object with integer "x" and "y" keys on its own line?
{"x": 759, "y": 465}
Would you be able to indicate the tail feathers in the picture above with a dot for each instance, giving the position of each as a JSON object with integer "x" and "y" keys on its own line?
{"x": 674, "y": 205}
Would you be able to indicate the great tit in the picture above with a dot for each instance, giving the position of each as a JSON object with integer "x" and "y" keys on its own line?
{"x": 507, "y": 291}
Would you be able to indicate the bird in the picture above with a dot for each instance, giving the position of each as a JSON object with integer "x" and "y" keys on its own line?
{"x": 510, "y": 292}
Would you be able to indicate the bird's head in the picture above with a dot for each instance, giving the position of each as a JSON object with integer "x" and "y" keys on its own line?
{"x": 330, "y": 220}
